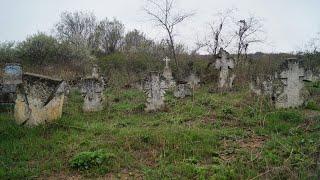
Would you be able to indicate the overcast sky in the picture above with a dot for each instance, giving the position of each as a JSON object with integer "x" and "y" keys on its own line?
{"x": 288, "y": 23}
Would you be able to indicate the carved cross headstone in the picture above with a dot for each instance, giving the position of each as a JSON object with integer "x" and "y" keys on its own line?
{"x": 39, "y": 99}
{"x": 92, "y": 90}
{"x": 167, "y": 74}
{"x": 292, "y": 82}
{"x": 155, "y": 88}
{"x": 225, "y": 64}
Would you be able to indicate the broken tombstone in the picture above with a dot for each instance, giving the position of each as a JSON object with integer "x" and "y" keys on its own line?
{"x": 262, "y": 87}
{"x": 290, "y": 91}
{"x": 167, "y": 74}
{"x": 311, "y": 76}
{"x": 155, "y": 87}
{"x": 39, "y": 99}
{"x": 92, "y": 91}
{"x": 225, "y": 64}
{"x": 182, "y": 90}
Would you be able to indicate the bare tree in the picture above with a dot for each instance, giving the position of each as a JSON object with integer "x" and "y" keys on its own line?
{"x": 249, "y": 32}
{"x": 162, "y": 13}
{"x": 77, "y": 28}
{"x": 110, "y": 34}
{"x": 218, "y": 37}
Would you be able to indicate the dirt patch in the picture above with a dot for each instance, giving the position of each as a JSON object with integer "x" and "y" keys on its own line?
{"x": 231, "y": 147}
{"x": 62, "y": 175}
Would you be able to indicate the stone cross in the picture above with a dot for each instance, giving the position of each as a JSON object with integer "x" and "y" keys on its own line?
{"x": 167, "y": 74}
{"x": 224, "y": 64}
{"x": 155, "y": 88}
{"x": 39, "y": 99}
{"x": 292, "y": 81}
{"x": 167, "y": 60}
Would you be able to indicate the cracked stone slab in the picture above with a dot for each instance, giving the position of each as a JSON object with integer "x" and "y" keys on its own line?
{"x": 39, "y": 99}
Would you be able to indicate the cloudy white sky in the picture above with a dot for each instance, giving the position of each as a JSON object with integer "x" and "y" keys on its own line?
{"x": 288, "y": 23}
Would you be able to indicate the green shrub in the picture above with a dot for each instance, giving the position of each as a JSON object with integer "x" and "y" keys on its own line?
{"x": 227, "y": 112}
{"x": 87, "y": 160}
{"x": 312, "y": 105}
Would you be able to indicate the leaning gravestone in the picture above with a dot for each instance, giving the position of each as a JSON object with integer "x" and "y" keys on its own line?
{"x": 167, "y": 74}
{"x": 225, "y": 65}
{"x": 92, "y": 90}
{"x": 291, "y": 85}
{"x": 155, "y": 87}
{"x": 39, "y": 99}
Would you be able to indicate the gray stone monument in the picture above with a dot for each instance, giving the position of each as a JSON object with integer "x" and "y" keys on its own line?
{"x": 155, "y": 87}
{"x": 167, "y": 74}
{"x": 182, "y": 90}
{"x": 225, "y": 65}
{"x": 39, "y": 99}
{"x": 92, "y": 90}
{"x": 262, "y": 87}
{"x": 291, "y": 91}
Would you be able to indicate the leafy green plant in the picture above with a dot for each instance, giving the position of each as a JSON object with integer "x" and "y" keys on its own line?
{"x": 227, "y": 112}
{"x": 312, "y": 105}
{"x": 87, "y": 160}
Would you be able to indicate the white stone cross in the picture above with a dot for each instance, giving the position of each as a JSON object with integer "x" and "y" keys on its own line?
{"x": 167, "y": 60}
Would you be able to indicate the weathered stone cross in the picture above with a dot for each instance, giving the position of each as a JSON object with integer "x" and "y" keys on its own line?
{"x": 292, "y": 79}
{"x": 224, "y": 63}
{"x": 167, "y": 60}
{"x": 155, "y": 88}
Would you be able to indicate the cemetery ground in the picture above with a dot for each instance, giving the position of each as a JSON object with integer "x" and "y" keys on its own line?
{"x": 220, "y": 136}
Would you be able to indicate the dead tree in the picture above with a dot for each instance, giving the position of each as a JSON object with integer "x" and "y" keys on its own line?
{"x": 161, "y": 12}
{"x": 218, "y": 36}
{"x": 249, "y": 32}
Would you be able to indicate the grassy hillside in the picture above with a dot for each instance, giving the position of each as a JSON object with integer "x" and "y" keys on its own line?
{"x": 218, "y": 136}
